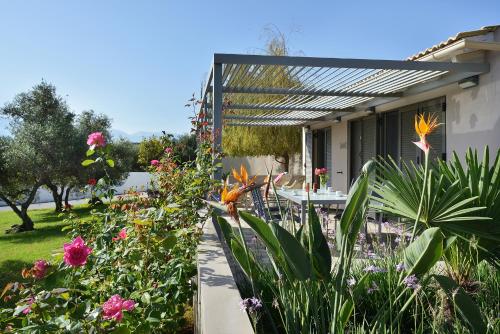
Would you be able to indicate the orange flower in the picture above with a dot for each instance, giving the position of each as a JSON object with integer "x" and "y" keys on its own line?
{"x": 242, "y": 177}
{"x": 425, "y": 127}
{"x": 229, "y": 198}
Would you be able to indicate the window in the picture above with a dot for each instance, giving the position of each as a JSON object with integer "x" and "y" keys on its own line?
{"x": 393, "y": 133}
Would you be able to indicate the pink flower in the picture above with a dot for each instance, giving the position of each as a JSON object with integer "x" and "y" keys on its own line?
{"x": 40, "y": 269}
{"x": 114, "y": 306}
{"x": 96, "y": 139}
{"x": 169, "y": 150}
{"x": 155, "y": 162}
{"x": 278, "y": 177}
{"x": 121, "y": 235}
{"x": 27, "y": 310}
{"x": 76, "y": 253}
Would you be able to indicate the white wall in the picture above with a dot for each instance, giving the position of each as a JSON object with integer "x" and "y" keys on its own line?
{"x": 136, "y": 180}
{"x": 257, "y": 165}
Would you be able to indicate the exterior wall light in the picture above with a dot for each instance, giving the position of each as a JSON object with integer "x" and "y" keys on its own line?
{"x": 337, "y": 119}
{"x": 469, "y": 82}
{"x": 370, "y": 110}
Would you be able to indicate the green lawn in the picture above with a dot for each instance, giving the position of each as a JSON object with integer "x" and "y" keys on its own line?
{"x": 20, "y": 250}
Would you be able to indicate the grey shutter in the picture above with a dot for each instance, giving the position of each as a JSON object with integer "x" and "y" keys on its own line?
{"x": 369, "y": 139}
{"x": 328, "y": 153}
{"x": 356, "y": 148}
{"x": 409, "y": 151}
{"x": 437, "y": 138}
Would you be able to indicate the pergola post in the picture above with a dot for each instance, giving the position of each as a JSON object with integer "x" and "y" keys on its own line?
{"x": 217, "y": 118}
{"x": 307, "y": 153}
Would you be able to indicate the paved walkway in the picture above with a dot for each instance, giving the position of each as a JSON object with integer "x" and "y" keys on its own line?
{"x": 48, "y": 205}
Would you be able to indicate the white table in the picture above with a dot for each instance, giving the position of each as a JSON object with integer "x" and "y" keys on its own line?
{"x": 300, "y": 197}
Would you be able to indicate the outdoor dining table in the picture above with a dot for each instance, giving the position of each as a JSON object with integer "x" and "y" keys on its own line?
{"x": 300, "y": 197}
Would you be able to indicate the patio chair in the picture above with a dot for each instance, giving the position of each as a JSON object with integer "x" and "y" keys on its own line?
{"x": 260, "y": 209}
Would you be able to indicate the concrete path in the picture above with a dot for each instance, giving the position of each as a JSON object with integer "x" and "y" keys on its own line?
{"x": 48, "y": 205}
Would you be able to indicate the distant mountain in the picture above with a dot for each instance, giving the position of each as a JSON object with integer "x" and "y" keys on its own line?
{"x": 135, "y": 137}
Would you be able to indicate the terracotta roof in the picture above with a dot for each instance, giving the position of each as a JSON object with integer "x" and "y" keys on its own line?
{"x": 459, "y": 36}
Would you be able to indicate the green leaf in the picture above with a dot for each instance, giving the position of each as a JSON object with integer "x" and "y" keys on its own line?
{"x": 121, "y": 330}
{"x": 466, "y": 307}
{"x": 424, "y": 252}
{"x": 346, "y": 311}
{"x": 110, "y": 163}
{"x": 294, "y": 254}
{"x": 146, "y": 298}
{"x": 226, "y": 229}
{"x": 263, "y": 231}
{"x": 87, "y": 162}
{"x": 321, "y": 256}
{"x": 90, "y": 152}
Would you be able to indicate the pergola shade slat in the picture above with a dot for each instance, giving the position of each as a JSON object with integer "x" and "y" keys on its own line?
{"x": 287, "y": 88}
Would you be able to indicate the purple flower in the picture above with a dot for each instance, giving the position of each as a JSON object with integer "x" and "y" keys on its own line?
{"x": 371, "y": 255}
{"x": 373, "y": 288}
{"x": 397, "y": 240}
{"x": 250, "y": 304}
{"x": 400, "y": 267}
{"x": 351, "y": 281}
{"x": 374, "y": 269}
{"x": 411, "y": 282}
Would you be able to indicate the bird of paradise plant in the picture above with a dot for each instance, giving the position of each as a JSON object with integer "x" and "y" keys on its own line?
{"x": 424, "y": 127}
{"x": 242, "y": 177}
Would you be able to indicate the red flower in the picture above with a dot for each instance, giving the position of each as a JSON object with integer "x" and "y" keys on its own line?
{"x": 121, "y": 235}
{"x": 92, "y": 182}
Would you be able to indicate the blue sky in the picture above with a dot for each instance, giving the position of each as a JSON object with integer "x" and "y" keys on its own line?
{"x": 139, "y": 61}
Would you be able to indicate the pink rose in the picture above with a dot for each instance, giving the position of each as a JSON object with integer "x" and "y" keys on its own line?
{"x": 121, "y": 235}
{"x": 317, "y": 171}
{"x": 76, "y": 253}
{"x": 96, "y": 139}
{"x": 40, "y": 269}
{"x": 114, "y": 306}
{"x": 155, "y": 162}
{"x": 168, "y": 150}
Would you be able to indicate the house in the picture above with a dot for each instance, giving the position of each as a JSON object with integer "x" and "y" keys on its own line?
{"x": 351, "y": 110}
{"x": 468, "y": 110}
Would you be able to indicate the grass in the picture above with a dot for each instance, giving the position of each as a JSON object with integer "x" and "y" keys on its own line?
{"x": 20, "y": 250}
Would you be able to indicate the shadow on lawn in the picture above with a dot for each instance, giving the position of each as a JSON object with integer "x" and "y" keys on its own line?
{"x": 38, "y": 235}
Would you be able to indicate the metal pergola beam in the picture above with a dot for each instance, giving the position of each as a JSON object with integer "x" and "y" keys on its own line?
{"x": 278, "y": 107}
{"x": 304, "y": 92}
{"x": 224, "y": 58}
{"x": 272, "y": 118}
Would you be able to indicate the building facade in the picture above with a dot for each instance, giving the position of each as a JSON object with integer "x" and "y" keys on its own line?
{"x": 468, "y": 110}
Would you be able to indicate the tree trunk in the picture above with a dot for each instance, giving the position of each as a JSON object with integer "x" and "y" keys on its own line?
{"x": 56, "y": 195}
{"x": 285, "y": 162}
{"x": 66, "y": 196}
{"x": 27, "y": 224}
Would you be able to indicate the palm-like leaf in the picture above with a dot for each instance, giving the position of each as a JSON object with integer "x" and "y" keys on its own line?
{"x": 446, "y": 204}
{"x": 481, "y": 184}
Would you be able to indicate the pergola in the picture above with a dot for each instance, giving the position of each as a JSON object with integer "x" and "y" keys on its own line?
{"x": 315, "y": 89}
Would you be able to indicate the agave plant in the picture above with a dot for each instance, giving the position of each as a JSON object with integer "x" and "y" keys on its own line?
{"x": 448, "y": 205}
{"x": 482, "y": 183}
